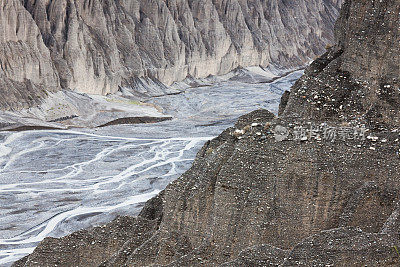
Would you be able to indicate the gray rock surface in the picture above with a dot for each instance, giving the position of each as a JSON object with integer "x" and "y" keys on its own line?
{"x": 26, "y": 67}
{"x": 100, "y": 46}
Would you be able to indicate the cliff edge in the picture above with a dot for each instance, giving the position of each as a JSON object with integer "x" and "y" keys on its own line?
{"x": 358, "y": 78}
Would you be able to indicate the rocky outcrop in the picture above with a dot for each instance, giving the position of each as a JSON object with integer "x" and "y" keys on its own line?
{"x": 98, "y": 46}
{"x": 358, "y": 79}
{"x": 26, "y": 67}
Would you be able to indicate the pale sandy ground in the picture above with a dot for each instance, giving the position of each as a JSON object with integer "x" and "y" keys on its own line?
{"x": 87, "y": 110}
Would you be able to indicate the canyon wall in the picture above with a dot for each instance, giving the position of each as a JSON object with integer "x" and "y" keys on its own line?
{"x": 26, "y": 66}
{"x": 98, "y": 46}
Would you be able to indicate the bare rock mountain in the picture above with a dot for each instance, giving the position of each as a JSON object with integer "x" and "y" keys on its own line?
{"x": 98, "y": 46}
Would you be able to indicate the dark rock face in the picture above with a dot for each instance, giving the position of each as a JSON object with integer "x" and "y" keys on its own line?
{"x": 98, "y": 46}
{"x": 91, "y": 247}
{"x": 266, "y": 193}
{"x": 359, "y": 77}
{"x": 249, "y": 199}
{"x": 283, "y": 103}
{"x": 345, "y": 247}
{"x": 262, "y": 255}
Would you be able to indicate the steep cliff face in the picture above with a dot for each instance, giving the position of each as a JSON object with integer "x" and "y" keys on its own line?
{"x": 97, "y": 46}
{"x": 359, "y": 77}
{"x": 26, "y": 67}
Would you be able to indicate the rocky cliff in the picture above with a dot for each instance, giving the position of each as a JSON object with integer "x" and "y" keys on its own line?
{"x": 26, "y": 66}
{"x": 358, "y": 78}
{"x": 252, "y": 200}
{"x": 98, "y": 46}
{"x": 318, "y": 186}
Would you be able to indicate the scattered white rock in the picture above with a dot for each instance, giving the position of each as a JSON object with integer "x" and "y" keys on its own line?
{"x": 237, "y": 131}
{"x": 373, "y": 138}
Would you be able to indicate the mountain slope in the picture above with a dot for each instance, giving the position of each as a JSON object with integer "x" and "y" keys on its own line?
{"x": 26, "y": 67}
{"x": 358, "y": 79}
{"x": 98, "y": 46}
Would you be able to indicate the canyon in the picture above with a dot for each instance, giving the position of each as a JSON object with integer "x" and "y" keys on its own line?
{"x": 317, "y": 186}
{"x": 100, "y": 47}
{"x": 313, "y": 183}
